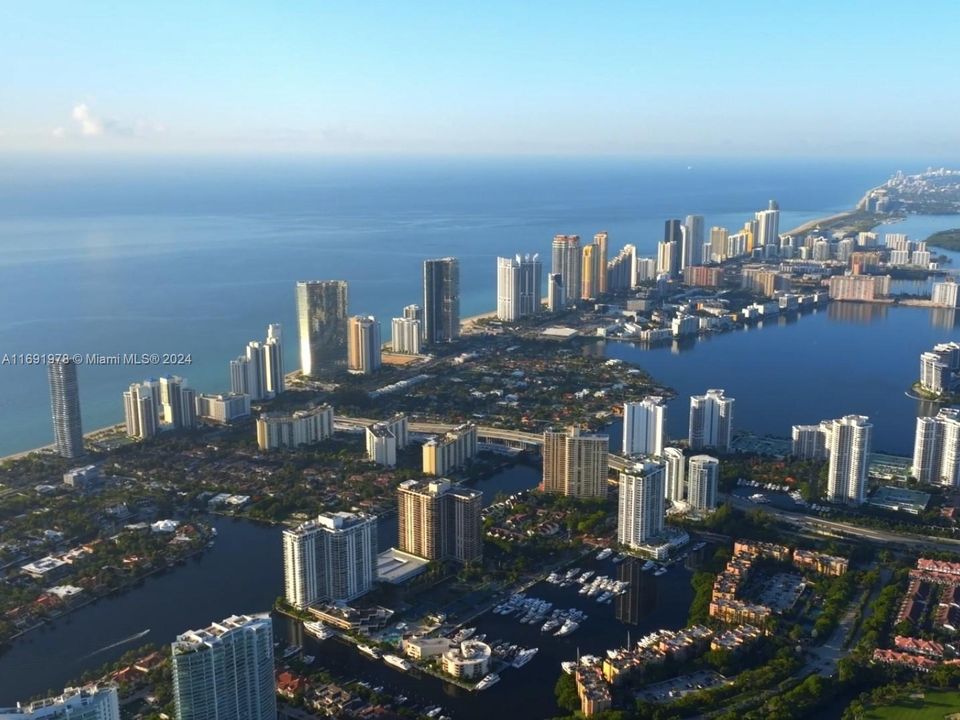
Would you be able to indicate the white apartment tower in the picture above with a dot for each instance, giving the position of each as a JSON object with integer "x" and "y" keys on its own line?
{"x": 703, "y": 479}
{"x": 363, "y": 345}
{"x": 226, "y": 671}
{"x": 641, "y": 507}
{"x": 406, "y": 335}
{"x": 259, "y": 371}
{"x": 676, "y": 474}
{"x": 304, "y": 427}
{"x": 711, "y": 421}
{"x": 518, "y": 287}
{"x": 848, "y": 443}
{"x": 330, "y": 559}
{"x": 93, "y": 702}
{"x": 936, "y": 449}
{"x": 643, "y": 426}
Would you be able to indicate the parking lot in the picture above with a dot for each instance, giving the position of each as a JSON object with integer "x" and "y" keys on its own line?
{"x": 781, "y": 591}
{"x": 678, "y": 687}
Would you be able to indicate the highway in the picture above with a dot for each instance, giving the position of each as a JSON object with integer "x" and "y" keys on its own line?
{"x": 819, "y": 525}
{"x": 484, "y": 434}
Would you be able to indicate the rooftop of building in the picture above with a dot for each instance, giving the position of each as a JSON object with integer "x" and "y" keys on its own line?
{"x": 395, "y": 566}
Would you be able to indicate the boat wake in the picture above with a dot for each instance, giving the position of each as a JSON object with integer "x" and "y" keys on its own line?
{"x": 135, "y": 636}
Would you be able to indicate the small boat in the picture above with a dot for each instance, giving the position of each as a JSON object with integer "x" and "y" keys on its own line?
{"x": 290, "y": 651}
{"x": 488, "y": 680}
{"x": 661, "y": 571}
{"x": 568, "y": 666}
{"x": 603, "y": 598}
{"x": 586, "y": 576}
{"x": 619, "y": 559}
{"x": 648, "y": 565}
{"x": 398, "y": 662}
{"x": 464, "y": 634}
{"x": 699, "y": 546}
{"x": 604, "y": 554}
{"x": 549, "y": 625}
{"x": 308, "y": 659}
{"x": 568, "y": 627}
{"x": 369, "y": 651}
{"x": 317, "y": 629}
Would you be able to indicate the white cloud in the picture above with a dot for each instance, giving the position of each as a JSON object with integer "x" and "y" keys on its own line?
{"x": 59, "y": 133}
{"x": 89, "y": 123}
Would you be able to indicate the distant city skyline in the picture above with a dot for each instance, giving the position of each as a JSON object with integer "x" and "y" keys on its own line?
{"x": 449, "y": 78}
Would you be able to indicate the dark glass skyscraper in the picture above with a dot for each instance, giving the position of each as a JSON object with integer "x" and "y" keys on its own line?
{"x": 441, "y": 300}
{"x": 322, "y": 320}
{"x": 65, "y": 408}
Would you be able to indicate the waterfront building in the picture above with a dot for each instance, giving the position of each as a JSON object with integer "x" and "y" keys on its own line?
{"x": 450, "y": 451}
{"x": 415, "y": 312}
{"x": 666, "y": 258}
{"x": 575, "y": 464}
{"x": 289, "y": 430}
{"x": 565, "y": 257}
{"x": 177, "y": 404}
{"x": 93, "y": 702}
{"x": 692, "y": 252}
{"x": 866, "y": 288}
{"x": 470, "y": 660}
{"x": 936, "y": 449}
{"x": 363, "y": 345}
{"x": 140, "y": 410}
{"x": 703, "y": 481}
{"x": 848, "y": 444}
{"x": 763, "y": 281}
{"x": 899, "y": 258}
{"x": 555, "y": 293}
{"x": 946, "y": 294}
{"x": 259, "y": 371}
{"x": 322, "y": 321}
{"x": 65, "y": 408}
{"x": 676, "y": 474}
{"x": 223, "y": 407}
{"x": 643, "y": 426}
{"x": 711, "y": 421}
{"x": 768, "y": 225}
{"x": 718, "y": 243}
{"x": 809, "y": 442}
{"x": 601, "y": 240}
{"x": 896, "y": 241}
{"x": 935, "y": 374}
{"x": 330, "y": 559}
{"x": 518, "y": 287}
{"x": 441, "y": 300}
{"x": 589, "y": 273}
{"x": 640, "y": 509}
{"x": 384, "y": 439}
{"x": 226, "y": 671}
{"x": 440, "y": 521}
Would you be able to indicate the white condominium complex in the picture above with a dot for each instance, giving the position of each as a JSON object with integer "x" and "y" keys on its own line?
{"x": 641, "y": 506}
{"x": 946, "y": 294}
{"x": 644, "y": 269}
{"x": 155, "y": 405}
{"x": 384, "y": 439}
{"x": 768, "y": 225}
{"x": 224, "y": 407}
{"x": 936, "y": 449}
{"x": 259, "y": 371}
{"x": 848, "y": 443}
{"x": 566, "y": 257}
{"x": 303, "y": 427}
{"x": 938, "y": 366}
{"x": 65, "y": 408}
{"x": 363, "y": 344}
{"x": 555, "y": 294}
{"x": 518, "y": 287}
{"x": 330, "y": 559}
{"x": 703, "y": 479}
{"x": 859, "y": 287}
{"x": 226, "y": 671}
{"x": 643, "y": 426}
{"x": 676, "y": 474}
{"x": 322, "y": 321}
{"x": 406, "y": 335}
{"x": 575, "y": 464}
{"x": 809, "y": 442}
{"x": 621, "y": 273}
{"x": 439, "y": 521}
{"x": 450, "y": 451}
{"x": 711, "y": 421}
{"x": 94, "y": 702}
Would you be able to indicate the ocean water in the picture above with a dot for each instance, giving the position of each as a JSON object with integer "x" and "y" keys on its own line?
{"x": 198, "y": 256}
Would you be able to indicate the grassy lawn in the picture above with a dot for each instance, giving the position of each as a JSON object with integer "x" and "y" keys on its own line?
{"x": 933, "y": 707}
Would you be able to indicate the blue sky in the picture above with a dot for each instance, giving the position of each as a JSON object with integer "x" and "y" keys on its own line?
{"x": 420, "y": 77}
